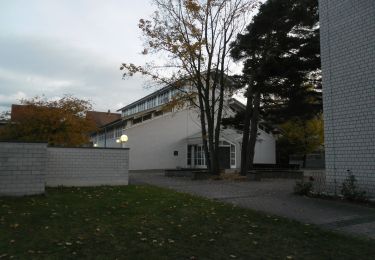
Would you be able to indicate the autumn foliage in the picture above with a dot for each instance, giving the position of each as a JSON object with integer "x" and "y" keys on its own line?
{"x": 60, "y": 122}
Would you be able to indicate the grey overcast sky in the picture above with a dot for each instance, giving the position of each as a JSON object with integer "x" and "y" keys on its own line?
{"x": 55, "y": 47}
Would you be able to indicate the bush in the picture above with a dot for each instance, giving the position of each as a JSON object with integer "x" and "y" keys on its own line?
{"x": 350, "y": 190}
{"x": 303, "y": 188}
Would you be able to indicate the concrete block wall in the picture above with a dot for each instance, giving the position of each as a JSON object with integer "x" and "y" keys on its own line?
{"x": 22, "y": 168}
{"x": 348, "y": 66}
{"x": 26, "y": 168}
{"x": 87, "y": 166}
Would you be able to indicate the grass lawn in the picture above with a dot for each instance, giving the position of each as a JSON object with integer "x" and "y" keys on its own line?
{"x": 144, "y": 222}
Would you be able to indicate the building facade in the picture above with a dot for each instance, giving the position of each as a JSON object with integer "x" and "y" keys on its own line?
{"x": 169, "y": 139}
{"x": 348, "y": 66}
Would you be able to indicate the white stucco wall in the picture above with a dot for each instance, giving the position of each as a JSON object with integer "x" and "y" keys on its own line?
{"x": 152, "y": 143}
{"x": 265, "y": 148}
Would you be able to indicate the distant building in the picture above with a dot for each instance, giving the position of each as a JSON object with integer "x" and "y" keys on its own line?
{"x": 160, "y": 139}
{"x": 102, "y": 118}
{"x": 348, "y": 65}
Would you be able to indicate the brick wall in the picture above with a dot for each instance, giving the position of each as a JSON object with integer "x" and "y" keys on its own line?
{"x": 87, "y": 166}
{"x": 348, "y": 65}
{"x": 22, "y": 168}
{"x": 26, "y": 168}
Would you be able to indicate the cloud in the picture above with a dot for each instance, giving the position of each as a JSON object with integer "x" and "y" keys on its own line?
{"x": 6, "y": 101}
{"x": 40, "y": 65}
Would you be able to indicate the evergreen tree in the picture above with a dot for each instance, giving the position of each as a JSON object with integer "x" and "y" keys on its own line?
{"x": 281, "y": 57}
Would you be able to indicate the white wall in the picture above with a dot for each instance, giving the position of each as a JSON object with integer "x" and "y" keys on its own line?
{"x": 265, "y": 148}
{"x": 154, "y": 141}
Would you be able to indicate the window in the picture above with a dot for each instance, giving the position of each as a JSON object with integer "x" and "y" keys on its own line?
{"x": 137, "y": 120}
{"x": 232, "y": 155}
{"x": 151, "y": 103}
{"x": 158, "y": 113}
{"x": 146, "y": 117}
{"x": 175, "y": 153}
{"x": 133, "y": 110}
{"x": 118, "y": 132}
{"x": 190, "y": 147}
{"x": 199, "y": 158}
{"x": 110, "y": 134}
{"x": 141, "y": 106}
{"x": 163, "y": 98}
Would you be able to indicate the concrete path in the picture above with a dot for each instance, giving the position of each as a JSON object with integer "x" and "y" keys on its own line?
{"x": 274, "y": 197}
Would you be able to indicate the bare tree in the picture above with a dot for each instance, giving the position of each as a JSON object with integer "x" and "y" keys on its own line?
{"x": 195, "y": 37}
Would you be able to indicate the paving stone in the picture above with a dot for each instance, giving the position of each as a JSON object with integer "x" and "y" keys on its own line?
{"x": 273, "y": 197}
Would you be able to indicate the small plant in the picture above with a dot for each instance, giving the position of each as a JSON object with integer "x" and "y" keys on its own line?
{"x": 303, "y": 188}
{"x": 350, "y": 190}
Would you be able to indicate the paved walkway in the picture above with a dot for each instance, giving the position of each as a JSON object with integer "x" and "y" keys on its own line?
{"x": 274, "y": 197}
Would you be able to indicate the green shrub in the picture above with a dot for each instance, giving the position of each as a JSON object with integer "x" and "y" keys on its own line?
{"x": 303, "y": 188}
{"x": 350, "y": 190}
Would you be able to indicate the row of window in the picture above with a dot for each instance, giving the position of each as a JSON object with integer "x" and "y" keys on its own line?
{"x": 113, "y": 133}
{"x": 196, "y": 153}
{"x": 152, "y": 102}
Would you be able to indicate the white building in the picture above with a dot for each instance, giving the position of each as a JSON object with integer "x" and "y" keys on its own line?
{"x": 347, "y": 31}
{"x": 160, "y": 139}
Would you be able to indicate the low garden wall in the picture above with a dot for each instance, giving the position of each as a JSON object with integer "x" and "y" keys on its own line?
{"x": 86, "y": 166}
{"x": 26, "y": 168}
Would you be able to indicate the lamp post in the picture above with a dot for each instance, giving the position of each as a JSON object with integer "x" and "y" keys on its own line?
{"x": 122, "y": 140}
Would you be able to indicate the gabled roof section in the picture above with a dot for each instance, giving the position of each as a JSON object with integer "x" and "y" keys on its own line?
{"x": 236, "y": 105}
{"x": 102, "y": 118}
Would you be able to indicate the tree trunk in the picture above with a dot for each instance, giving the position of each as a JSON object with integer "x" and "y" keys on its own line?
{"x": 212, "y": 154}
{"x": 246, "y": 132}
{"x": 304, "y": 143}
{"x": 218, "y": 120}
{"x": 210, "y": 131}
{"x": 304, "y": 160}
{"x": 204, "y": 130}
{"x": 253, "y": 130}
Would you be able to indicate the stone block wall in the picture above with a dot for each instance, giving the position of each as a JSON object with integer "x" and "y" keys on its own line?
{"x": 348, "y": 66}
{"x": 87, "y": 166}
{"x": 26, "y": 168}
{"x": 22, "y": 168}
